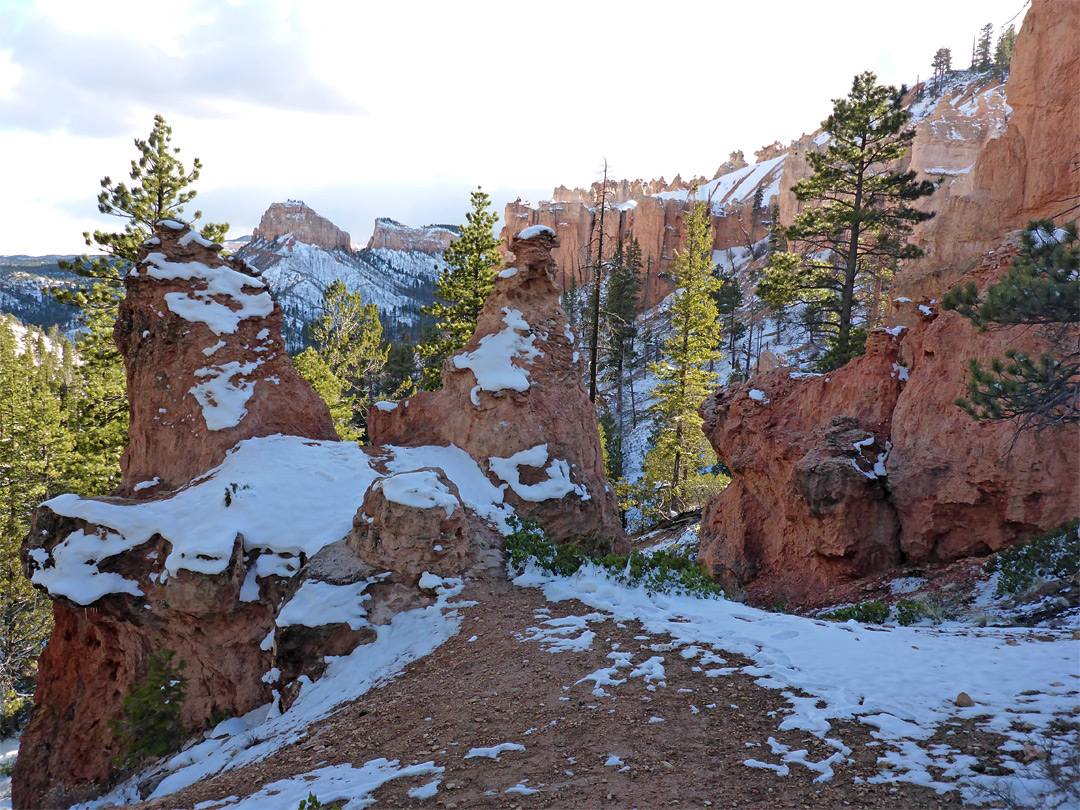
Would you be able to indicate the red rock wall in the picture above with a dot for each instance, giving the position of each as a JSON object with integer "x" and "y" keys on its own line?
{"x": 953, "y": 487}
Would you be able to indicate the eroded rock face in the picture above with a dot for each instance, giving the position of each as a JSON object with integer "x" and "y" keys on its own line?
{"x": 513, "y": 399}
{"x": 206, "y": 365}
{"x": 95, "y": 655}
{"x": 1026, "y": 173}
{"x": 393, "y": 235}
{"x": 807, "y": 503}
{"x": 951, "y": 487}
{"x": 294, "y": 220}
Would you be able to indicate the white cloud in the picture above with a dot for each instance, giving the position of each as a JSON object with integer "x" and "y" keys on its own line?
{"x": 399, "y": 109}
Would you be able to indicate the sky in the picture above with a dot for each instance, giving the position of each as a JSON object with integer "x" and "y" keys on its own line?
{"x": 369, "y": 109}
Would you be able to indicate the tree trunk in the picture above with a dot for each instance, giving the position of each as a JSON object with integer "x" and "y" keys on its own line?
{"x": 598, "y": 280}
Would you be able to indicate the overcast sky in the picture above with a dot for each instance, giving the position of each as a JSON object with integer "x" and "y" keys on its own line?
{"x": 398, "y": 109}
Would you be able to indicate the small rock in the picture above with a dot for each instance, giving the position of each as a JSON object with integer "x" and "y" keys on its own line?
{"x": 666, "y": 765}
{"x": 964, "y": 701}
{"x": 1032, "y": 753}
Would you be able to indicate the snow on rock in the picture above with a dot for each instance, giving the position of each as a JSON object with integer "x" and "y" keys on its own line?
{"x": 74, "y": 573}
{"x": 206, "y": 366}
{"x": 557, "y": 485}
{"x": 512, "y": 398}
{"x": 535, "y": 230}
{"x": 492, "y": 361}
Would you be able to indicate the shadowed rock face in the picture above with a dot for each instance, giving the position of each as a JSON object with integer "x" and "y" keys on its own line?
{"x": 513, "y": 399}
{"x": 206, "y": 365}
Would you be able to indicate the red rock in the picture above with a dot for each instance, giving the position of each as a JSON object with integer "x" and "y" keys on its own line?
{"x": 954, "y": 487}
{"x": 172, "y": 361}
{"x": 552, "y": 417}
{"x": 294, "y": 221}
{"x": 393, "y": 235}
{"x": 411, "y": 539}
{"x": 804, "y": 508}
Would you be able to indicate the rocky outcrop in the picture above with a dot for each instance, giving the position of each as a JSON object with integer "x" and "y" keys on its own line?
{"x": 795, "y": 521}
{"x": 94, "y": 655}
{"x": 413, "y": 522}
{"x": 391, "y": 235}
{"x": 206, "y": 366}
{"x": 514, "y": 400}
{"x": 807, "y": 504}
{"x": 293, "y": 221}
{"x": 255, "y": 557}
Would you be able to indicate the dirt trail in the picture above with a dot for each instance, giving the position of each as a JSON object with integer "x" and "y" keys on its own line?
{"x": 506, "y": 686}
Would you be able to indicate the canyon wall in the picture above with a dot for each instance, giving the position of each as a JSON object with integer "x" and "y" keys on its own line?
{"x": 841, "y": 475}
{"x": 303, "y": 224}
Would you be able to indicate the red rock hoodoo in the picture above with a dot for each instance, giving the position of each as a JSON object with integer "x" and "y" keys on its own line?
{"x": 206, "y": 365}
{"x": 513, "y": 399}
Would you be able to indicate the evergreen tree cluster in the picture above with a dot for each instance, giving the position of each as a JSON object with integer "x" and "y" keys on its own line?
{"x": 45, "y": 419}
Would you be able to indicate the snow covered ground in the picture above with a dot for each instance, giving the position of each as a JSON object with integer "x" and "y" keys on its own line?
{"x": 904, "y": 683}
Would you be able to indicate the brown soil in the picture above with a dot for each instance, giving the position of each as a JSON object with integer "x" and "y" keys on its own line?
{"x": 503, "y": 687}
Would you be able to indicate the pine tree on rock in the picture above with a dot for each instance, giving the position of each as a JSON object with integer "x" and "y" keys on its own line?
{"x": 675, "y": 476}
{"x": 942, "y": 64}
{"x": 860, "y": 213}
{"x": 160, "y": 188}
{"x": 462, "y": 288}
{"x": 1041, "y": 289}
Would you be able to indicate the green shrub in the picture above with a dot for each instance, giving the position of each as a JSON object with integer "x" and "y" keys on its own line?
{"x": 1052, "y": 555}
{"x": 312, "y": 803}
{"x": 864, "y": 612}
{"x": 663, "y": 572}
{"x": 909, "y": 611}
{"x": 151, "y": 724}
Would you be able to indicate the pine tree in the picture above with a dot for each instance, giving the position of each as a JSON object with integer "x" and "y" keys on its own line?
{"x": 462, "y": 288}
{"x": 1041, "y": 289}
{"x": 36, "y": 460}
{"x": 982, "y": 48}
{"x": 620, "y": 311}
{"x": 160, "y": 189}
{"x": 1004, "y": 50}
{"x": 860, "y": 214}
{"x": 675, "y": 467}
{"x": 942, "y": 64}
{"x": 347, "y": 342}
{"x": 401, "y": 373}
{"x": 151, "y": 724}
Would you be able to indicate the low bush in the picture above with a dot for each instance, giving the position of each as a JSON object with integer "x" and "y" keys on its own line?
{"x": 662, "y": 572}
{"x": 865, "y": 612}
{"x": 1052, "y": 555}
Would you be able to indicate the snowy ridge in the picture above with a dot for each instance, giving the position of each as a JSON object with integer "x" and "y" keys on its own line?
{"x": 297, "y": 273}
{"x": 738, "y": 186}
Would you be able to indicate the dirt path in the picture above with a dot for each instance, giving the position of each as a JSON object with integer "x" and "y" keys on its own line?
{"x": 682, "y": 739}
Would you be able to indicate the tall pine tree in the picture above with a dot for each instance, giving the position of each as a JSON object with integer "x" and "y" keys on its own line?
{"x": 675, "y": 468}
{"x": 160, "y": 188}
{"x": 462, "y": 288}
{"x": 860, "y": 211}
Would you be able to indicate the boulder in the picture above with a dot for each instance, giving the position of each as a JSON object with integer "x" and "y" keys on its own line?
{"x": 807, "y": 505}
{"x": 413, "y": 522}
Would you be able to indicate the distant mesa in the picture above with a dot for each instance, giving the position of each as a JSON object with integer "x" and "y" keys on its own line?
{"x": 294, "y": 220}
